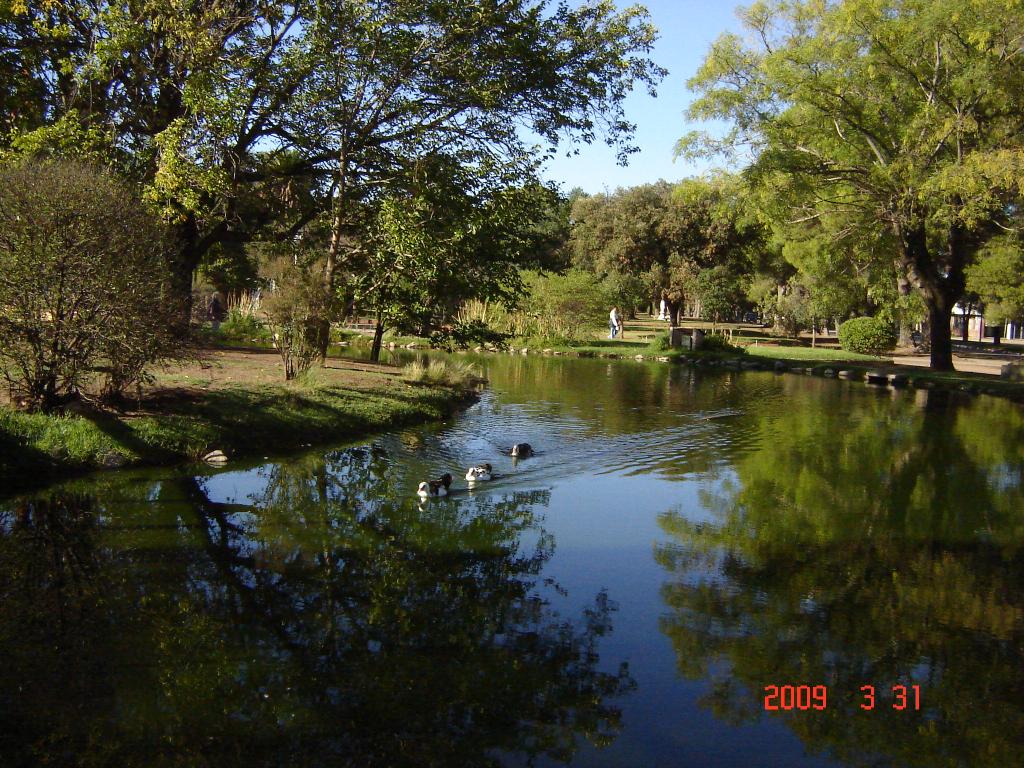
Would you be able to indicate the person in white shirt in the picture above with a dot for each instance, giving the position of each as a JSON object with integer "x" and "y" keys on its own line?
{"x": 614, "y": 323}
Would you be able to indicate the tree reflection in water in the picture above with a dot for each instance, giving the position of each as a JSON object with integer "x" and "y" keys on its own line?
{"x": 875, "y": 545}
{"x": 325, "y": 623}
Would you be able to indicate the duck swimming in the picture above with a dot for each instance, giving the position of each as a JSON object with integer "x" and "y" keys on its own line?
{"x": 521, "y": 450}
{"x": 437, "y": 487}
{"x": 479, "y": 472}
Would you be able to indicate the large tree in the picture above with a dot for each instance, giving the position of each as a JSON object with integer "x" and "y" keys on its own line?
{"x": 395, "y": 80}
{"x": 667, "y": 235}
{"x": 202, "y": 100}
{"x": 899, "y": 114}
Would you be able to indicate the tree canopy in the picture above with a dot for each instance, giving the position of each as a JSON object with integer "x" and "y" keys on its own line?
{"x": 902, "y": 115}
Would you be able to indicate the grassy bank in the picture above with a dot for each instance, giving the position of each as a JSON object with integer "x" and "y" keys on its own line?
{"x": 234, "y": 403}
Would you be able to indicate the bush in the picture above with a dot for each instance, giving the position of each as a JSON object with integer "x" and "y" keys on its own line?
{"x": 660, "y": 342}
{"x": 299, "y": 309}
{"x": 867, "y": 335}
{"x": 84, "y": 285}
{"x": 717, "y": 342}
{"x": 243, "y": 328}
{"x": 566, "y": 308}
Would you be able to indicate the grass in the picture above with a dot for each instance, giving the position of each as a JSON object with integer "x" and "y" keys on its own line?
{"x": 238, "y": 405}
{"x": 443, "y": 373}
{"x": 817, "y": 354}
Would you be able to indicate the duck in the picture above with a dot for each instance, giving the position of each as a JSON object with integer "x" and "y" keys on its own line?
{"x": 521, "y": 450}
{"x": 479, "y": 472}
{"x": 437, "y": 487}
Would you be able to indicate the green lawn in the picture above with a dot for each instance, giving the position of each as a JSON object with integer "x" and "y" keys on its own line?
{"x": 815, "y": 354}
{"x": 235, "y": 402}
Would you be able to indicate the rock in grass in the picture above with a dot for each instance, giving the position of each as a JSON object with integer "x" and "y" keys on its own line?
{"x": 216, "y": 458}
{"x": 114, "y": 461}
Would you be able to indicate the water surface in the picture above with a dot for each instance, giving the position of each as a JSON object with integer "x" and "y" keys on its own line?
{"x": 681, "y": 541}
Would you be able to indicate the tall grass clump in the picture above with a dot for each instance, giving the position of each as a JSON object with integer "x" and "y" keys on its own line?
{"x": 443, "y": 373}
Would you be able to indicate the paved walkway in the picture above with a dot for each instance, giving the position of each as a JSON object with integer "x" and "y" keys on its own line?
{"x": 960, "y": 362}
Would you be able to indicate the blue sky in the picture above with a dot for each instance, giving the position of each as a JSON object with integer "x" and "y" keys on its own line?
{"x": 687, "y": 29}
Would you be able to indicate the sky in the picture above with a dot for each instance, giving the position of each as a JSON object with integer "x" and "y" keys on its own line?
{"x": 687, "y": 29}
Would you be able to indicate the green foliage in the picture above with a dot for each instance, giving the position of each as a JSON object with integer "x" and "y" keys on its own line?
{"x": 288, "y": 118}
{"x": 230, "y": 269}
{"x": 631, "y": 294}
{"x": 565, "y": 308}
{"x": 863, "y": 112}
{"x": 83, "y": 283}
{"x": 998, "y": 279}
{"x": 867, "y": 335}
{"x": 243, "y": 327}
{"x": 299, "y": 308}
{"x": 442, "y": 236}
{"x": 719, "y": 292}
{"x": 660, "y": 342}
{"x": 653, "y": 240}
{"x": 719, "y": 342}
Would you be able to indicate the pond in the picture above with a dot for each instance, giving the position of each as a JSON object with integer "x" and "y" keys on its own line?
{"x": 684, "y": 549}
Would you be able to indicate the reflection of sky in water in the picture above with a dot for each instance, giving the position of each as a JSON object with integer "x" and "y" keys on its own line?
{"x": 609, "y": 482}
{"x": 634, "y": 462}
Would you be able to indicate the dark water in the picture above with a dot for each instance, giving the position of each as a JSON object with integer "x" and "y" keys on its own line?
{"x": 623, "y": 598}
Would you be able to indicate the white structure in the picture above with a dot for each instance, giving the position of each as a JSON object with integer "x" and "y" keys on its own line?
{"x": 976, "y": 328}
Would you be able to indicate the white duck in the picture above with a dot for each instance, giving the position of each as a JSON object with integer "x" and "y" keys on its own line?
{"x": 437, "y": 487}
{"x": 479, "y": 472}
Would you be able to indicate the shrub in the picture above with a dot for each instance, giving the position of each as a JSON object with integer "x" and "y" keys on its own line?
{"x": 243, "y": 327}
{"x": 447, "y": 373}
{"x": 299, "y": 309}
{"x": 717, "y": 342}
{"x": 660, "y": 342}
{"x": 867, "y": 335}
{"x": 84, "y": 286}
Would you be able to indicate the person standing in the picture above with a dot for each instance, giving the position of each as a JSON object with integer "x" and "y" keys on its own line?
{"x": 613, "y": 322}
{"x": 215, "y": 312}
{"x": 662, "y": 310}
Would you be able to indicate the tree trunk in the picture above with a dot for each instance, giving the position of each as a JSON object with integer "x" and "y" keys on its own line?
{"x": 378, "y": 338}
{"x": 940, "y": 288}
{"x": 939, "y": 314}
{"x": 814, "y": 334}
{"x": 182, "y": 264}
{"x": 673, "y": 311}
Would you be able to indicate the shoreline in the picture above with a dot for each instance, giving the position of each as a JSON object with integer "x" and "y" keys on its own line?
{"x": 179, "y": 426}
{"x": 880, "y": 373}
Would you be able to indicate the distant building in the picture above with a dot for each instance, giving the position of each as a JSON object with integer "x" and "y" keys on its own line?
{"x": 977, "y": 330}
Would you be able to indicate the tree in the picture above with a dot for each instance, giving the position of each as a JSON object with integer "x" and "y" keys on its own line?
{"x": 185, "y": 98}
{"x": 445, "y": 233}
{"x": 84, "y": 288}
{"x": 719, "y": 292}
{"x": 391, "y": 81}
{"x": 900, "y": 113}
{"x": 998, "y": 280}
{"x": 665, "y": 234}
